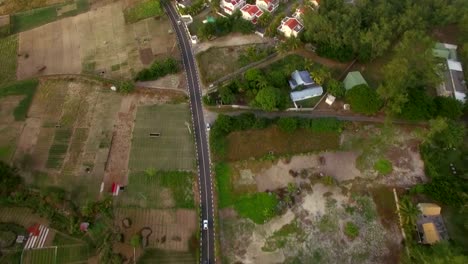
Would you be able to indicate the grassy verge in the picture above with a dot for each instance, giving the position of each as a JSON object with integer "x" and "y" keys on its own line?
{"x": 37, "y": 17}
{"x": 8, "y": 49}
{"x": 160, "y": 256}
{"x": 26, "y": 88}
{"x": 142, "y": 10}
{"x": 223, "y": 180}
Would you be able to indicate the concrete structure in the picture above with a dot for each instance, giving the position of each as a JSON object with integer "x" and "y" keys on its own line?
{"x": 267, "y": 5}
{"x": 330, "y": 99}
{"x": 353, "y": 79}
{"x": 230, "y": 6}
{"x": 251, "y": 13}
{"x": 454, "y": 84}
{"x": 290, "y": 27}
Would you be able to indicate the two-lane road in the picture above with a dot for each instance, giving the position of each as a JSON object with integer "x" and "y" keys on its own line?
{"x": 203, "y": 156}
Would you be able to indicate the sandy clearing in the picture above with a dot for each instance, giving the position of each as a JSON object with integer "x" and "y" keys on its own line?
{"x": 340, "y": 165}
{"x": 231, "y": 40}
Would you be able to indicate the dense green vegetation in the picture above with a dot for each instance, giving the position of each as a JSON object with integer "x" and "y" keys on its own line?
{"x": 195, "y": 8}
{"x": 225, "y": 25}
{"x": 367, "y": 29}
{"x": 27, "y": 89}
{"x": 142, "y": 10}
{"x": 363, "y": 99}
{"x": 254, "y": 53}
{"x": 383, "y": 166}
{"x": 158, "y": 69}
{"x": 224, "y": 187}
{"x": 37, "y": 17}
{"x": 258, "y": 207}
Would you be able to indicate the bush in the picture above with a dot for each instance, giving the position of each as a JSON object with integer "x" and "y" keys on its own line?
{"x": 336, "y": 88}
{"x": 383, "y": 166}
{"x": 287, "y": 124}
{"x": 158, "y": 69}
{"x": 448, "y": 107}
{"x": 258, "y": 207}
{"x": 363, "y": 99}
{"x": 351, "y": 230}
{"x": 126, "y": 87}
{"x": 268, "y": 98}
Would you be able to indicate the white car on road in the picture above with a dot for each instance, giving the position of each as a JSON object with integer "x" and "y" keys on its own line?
{"x": 205, "y": 224}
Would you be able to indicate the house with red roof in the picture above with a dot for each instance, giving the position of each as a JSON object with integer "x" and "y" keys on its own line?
{"x": 290, "y": 27}
{"x": 267, "y": 5}
{"x": 230, "y": 6}
{"x": 251, "y": 13}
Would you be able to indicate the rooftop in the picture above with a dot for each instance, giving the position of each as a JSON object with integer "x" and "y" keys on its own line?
{"x": 353, "y": 79}
{"x": 306, "y": 93}
{"x": 252, "y": 10}
{"x": 300, "y": 78}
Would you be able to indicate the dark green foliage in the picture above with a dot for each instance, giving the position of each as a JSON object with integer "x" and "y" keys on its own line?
{"x": 9, "y": 179}
{"x": 277, "y": 79}
{"x": 335, "y": 88}
{"x": 363, "y": 99}
{"x": 288, "y": 124}
{"x": 26, "y": 88}
{"x": 158, "y": 69}
{"x": 448, "y": 107}
{"x": 420, "y": 106}
{"x": 194, "y": 9}
{"x": 126, "y": 87}
{"x": 269, "y": 98}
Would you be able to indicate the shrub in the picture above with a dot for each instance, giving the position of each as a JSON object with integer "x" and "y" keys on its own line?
{"x": 287, "y": 124}
{"x": 448, "y": 107}
{"x": 158, "y": 69}
{"x": 126, "y": 87}
{"x": 335, "y": 88}
{"x": 351, "y": 230}
{"x": 363, "y": 99}
{"x": 383, "y": 166}
{"x": 268, "y": 98}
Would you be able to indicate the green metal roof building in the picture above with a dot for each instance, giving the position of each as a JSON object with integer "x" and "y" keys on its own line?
{"x": 352, "y": 79}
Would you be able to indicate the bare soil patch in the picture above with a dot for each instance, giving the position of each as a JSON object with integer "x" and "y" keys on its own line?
{"x": 171, "y": 229}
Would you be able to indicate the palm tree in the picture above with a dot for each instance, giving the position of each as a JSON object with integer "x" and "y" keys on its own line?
{"x": 409, "y": 212}
{"x": 262, "y": 83}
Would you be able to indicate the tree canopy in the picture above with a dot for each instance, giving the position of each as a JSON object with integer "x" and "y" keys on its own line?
{"x": 9, "y": 179}
{"x": 363, "y": 99}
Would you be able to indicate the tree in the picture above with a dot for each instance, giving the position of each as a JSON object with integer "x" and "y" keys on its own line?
{"x": 409, "y": 212}
{"x": 412, "y": 67}
{"x": 287, "y": 124}
{"x": 446, "y": 133}
{"x": 363, "y": 99}
{"x": 226, "y": 94}
{"x": 265, "y": 19}
{"x": 9, "y": 179}
{"x": 135, "y": 241}
{"x": 448, "y": 107}
{"x": 321, "y": 75}
{"x": 268, "y": 98}
{"x": 335, "y": 88}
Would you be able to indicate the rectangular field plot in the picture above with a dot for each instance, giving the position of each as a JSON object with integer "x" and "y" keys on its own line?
{"x": 161, "y": 139}
{"x": 57, "y": 255}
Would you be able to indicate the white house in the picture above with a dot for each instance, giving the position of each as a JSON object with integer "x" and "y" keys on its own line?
{"x": 251, "y": 13}
{"x": 309, "y": 89}
{"x": 267, "y": 5}
{"x": 290, "y": 26}
{"x": 230, "y": 6}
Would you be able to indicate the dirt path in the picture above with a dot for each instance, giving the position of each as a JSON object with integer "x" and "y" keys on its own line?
{"x": 231, "y": 40}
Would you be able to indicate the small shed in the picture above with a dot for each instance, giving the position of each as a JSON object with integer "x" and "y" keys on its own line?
{"x": 431, "y": 236}
{"x": 330, "y": 99}
{"x": 353, "y": 79}
{"x": 429, "y": 209}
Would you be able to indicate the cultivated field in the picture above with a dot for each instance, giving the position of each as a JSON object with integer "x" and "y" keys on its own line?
{"x": 8, "y": 48}
{"x": 171, "y": 229}
{"x": 171, "y": 147}
{"x": 21, "y": 216}
{"x": 75, "y": 254}
{"x": 97, "y": 42}
{"x": 13, "y": 6}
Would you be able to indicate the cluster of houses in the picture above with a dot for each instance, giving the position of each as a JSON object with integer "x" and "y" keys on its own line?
{"x": 289, "y": 27}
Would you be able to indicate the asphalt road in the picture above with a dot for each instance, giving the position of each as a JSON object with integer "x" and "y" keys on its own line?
{"x": 203, "y": 156}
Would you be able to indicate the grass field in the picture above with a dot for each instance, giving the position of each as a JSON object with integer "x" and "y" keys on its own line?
{"x": 142, "y": 10}
{"x": 8, "y": 49}
{"x": 272, "y": 139}
{"x": 173, "y": 149}
{"x": 37, "y": 17}
{"x": 165, "y": 257}
{"x": 145, "y": 189}
{"x": 218, "y": 62}
{"x": 26, "y": 88}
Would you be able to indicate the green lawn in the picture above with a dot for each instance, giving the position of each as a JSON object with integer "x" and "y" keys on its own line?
{"x": 40, "y": 16}
{"x": 26, "y": 88}
{"x": 223, "y": 180}
{"x": 173, "y": 149}
{"x": 145, "y": 189}
{"x": 309, "y": 103}
{"x": 8, "y": 51}
{"x": 149, "y": 8}
{"x": 258, "y": 207}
